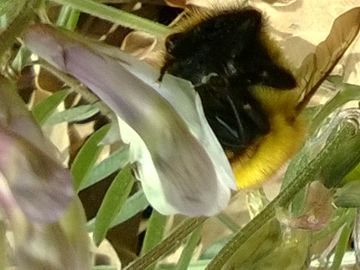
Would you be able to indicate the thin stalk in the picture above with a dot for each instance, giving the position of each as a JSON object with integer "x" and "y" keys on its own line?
{"x": 169, "y": 244}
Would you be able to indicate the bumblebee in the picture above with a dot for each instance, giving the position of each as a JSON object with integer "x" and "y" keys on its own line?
{"x": 247, "y": 89}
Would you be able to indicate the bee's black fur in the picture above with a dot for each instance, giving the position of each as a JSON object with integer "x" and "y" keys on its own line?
{"x": 225, "y": 56}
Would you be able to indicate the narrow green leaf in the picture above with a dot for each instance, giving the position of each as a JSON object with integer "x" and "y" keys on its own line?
{"x": 68, "y": 17}
{"x": 78, "y": 113}
{"x": 114, "y": 162}
{"x": 114, "y": 200}
{"x": 154, "y": 231}
{"x": 116, "y": 16}
{"x": 87, "y": 156}
{"x": 354, "y": 175}
{"x": 47, "y": 107}
{"x": 133, "y": 205}
{"x": 343, "y": 242}
{"x": 187, "y": 253}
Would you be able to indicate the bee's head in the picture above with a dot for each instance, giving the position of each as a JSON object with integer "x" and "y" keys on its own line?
{"x": 228, "y": 46}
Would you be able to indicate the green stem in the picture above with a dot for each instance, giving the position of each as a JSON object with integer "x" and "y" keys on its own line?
{"x": 14, "y": 30}
{"x": 282, "y": 200}
{"x": 169, "y": 244}
{"x": 117, "y": 16}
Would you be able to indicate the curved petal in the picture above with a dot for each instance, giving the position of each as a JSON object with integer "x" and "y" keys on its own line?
{"x": 182, "y": 177}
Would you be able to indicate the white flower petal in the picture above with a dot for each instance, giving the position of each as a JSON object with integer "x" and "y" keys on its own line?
{"x": 182, "y": 177}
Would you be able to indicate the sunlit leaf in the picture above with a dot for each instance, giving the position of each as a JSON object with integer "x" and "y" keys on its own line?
{"x": 78, "y": 113}
{"x": 114, "y": 162}
{"x": 134, "y": 204}
{"x": 47, "y": 107}
{"x": 87, "y": 156}
{"x": 155, "y": 231}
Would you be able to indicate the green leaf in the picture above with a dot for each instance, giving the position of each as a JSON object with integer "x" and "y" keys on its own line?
{"x": 114, "y": 200}
{"x": 10, "y": 7}
{"x": 78, "y": 113}
{"x": 87, "y": 156}
{"x": 354, "y": 175}
{"x": 116, "y": 16}
{"x": 187, "y": 253}
{"x": 154, "y": 231}
{"x": 44, "y": 109}
{"x": 114, "y": 162}
{"x": 348, "y": 196}
{"x": 133, "y": 205}
{"x": 343, "y": 242}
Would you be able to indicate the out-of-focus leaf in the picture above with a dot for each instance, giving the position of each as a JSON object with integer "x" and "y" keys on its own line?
{"x": 292, "y": 253}
{"x": 112, "y": 203}
{"x": 104, "y": 267}
{"x": 348, "y": 196}
{"x": 317, "y": 66}
{"x": 214, "y": 249}
{"x": 354, "y": 175}
{"x": 73, "y": 224}
{"x": 56, "y": 246}
{"x": 343, "y": 242}
{"x": 78, "y": 113}
{"x": 44, "y": 109}
{"x": 28, "y": 161}
{"x": 114, "y": 162}
{"x": 87, "y": 156}
{"x": 6, "y": 5}
{"x": 10, "y": 7}
{"x": 180, "y": 162}
{"x": 260, "y": 244}
{"x": 187, "y": 253}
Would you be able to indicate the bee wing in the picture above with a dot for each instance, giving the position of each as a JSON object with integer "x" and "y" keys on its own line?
{"x": 178, "y": 173}
{"x": 317, "y": 66}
